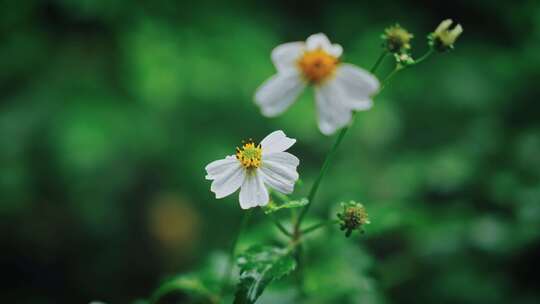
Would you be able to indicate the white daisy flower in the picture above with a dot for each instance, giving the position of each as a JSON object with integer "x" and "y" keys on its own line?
{"x": 340, "y": 88}
{"x": 254, "y": 168}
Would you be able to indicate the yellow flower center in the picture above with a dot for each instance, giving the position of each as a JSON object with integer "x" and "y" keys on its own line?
{"x": 249, "y": 155}
{"x": 317, "y": 65}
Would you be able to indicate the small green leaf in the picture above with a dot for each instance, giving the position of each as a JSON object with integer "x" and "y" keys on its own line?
{"x": 259, "y": 266}
{"x": 201, "y": 286}
{"x": 189, "y": 284}
{"x": 273, "y": 207}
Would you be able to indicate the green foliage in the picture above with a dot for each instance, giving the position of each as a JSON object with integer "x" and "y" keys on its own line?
{"x": 202, "y": 286}
{"x": 273, "y": 207}
{"x": 106, "y": 106}
{"x": 188, "y": 284}
{"x": 259, "y": 266}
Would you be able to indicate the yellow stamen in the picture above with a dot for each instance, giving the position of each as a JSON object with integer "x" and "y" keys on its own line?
{"x": 249, "y": 155}
{"x": 316, "y": 66}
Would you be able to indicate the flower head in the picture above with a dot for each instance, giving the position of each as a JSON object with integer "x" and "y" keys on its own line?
{"x": 340, "y": 88}
{"x": 443, "y": 38}
{"x": 255, "y": 168}
{"x": 397, "y": 39}
{"x": 403, "y": 59}
{"x": 352, "y": 217}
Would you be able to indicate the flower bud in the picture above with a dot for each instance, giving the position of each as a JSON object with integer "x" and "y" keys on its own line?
{"x": 443, "y": 38}
{"x": 397, "y": 39}
{"x": 403, "y": 59}
{"x": 352, "y": 217}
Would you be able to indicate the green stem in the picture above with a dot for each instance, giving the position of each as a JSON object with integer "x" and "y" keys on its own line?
{"x": 328, "y": 159}
{"x": 324, "y": 168}
{"x": 280, "y": 226}
{"x": 389, "y": 76}
{"x": 232, "y": 253}
{"x": 379, "y": 61}
{"x": 319, "y": 225}
{"x": 424, "y": 57}
{"x": 298, "y": 255}
{"x": 400, "y": 68}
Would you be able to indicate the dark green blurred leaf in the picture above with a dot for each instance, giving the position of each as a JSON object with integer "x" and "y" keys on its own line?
{"x": 191, "y": 285}
{"x": 201, "y": 286}
{"x": 259, "y": 266}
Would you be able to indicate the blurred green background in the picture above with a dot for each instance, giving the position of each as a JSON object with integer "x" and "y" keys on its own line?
{"x": 109, "y": 111}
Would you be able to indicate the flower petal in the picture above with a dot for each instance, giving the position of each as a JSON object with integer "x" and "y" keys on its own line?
{"x": 358, "y": 83}
{"x": 229, "y": 181}
{"x": 285, "y": 173}
{"x": 253, "y": 193}
{"x": 277, "y": 93}
{"x": 320, "y": 41}
{"x": 276, "y": 141}
{"x": 284, "y": 158}
{"x": 219, "y": 166}
{"x": 278, "y": 171}
{"x": 284, "y": 56}
{"x": 332, "y": 111}
{"x": 274, "y": 181}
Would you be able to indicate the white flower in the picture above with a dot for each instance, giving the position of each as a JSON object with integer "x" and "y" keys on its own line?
{"x": 340, "y": 88}
{"x": 254, "y": 168}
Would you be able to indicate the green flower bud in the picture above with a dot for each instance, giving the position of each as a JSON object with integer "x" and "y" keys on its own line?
{"x": 352, "y": 217}
{"x": 403, "y": 59}
{"x": 397, "y": 39}
{"x": 443, "y": 38}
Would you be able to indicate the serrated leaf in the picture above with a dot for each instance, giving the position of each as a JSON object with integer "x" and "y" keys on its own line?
{"x": 273, "y": 207}
{"x": 259, "y": 266}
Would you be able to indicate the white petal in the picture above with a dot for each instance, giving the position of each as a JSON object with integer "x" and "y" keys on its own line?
{"x": 274, "y": 181}
{"x": 284, "y": 158}
{"x": 359, "y": 83}
{"x": 285, "y": 55}
{"x": 229, "y": 181}
{"x": 276, "y": 94}
{"x": 219, "y": 166}
{"x": 253, "y": 193}
{"x": 332, "y": 111}
{"x": 276, "y": 141}
{"x": 320, "y": 41}
{"x": 284, "y": 164}
{"x": 278, "y": 171}
{"x": 335, "y": 50}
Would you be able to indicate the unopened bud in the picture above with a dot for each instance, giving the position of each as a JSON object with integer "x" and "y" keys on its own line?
{"x": 403, "y": 59}
{"x": 397, "y": 39}
{"x": 443, "y": 38}
{"x": 352, "y": 217}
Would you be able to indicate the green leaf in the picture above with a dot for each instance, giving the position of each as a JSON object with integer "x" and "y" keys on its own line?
{"x": 259, "y": 266}
{"x": 200, "y": 286}
{"x": 273, "y": 207}
{"x": 189, "y": 284}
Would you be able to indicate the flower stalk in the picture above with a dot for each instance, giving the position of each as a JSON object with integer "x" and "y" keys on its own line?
{"x": 328, "y": 159}
{"x": 280, "y": 226}
{"x": 319, "y": 225}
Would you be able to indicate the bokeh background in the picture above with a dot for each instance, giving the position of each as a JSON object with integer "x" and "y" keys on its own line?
{"x": 109, "y": 111}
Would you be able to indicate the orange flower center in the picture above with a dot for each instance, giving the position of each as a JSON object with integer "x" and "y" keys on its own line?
{"x": 317, "y": 65}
